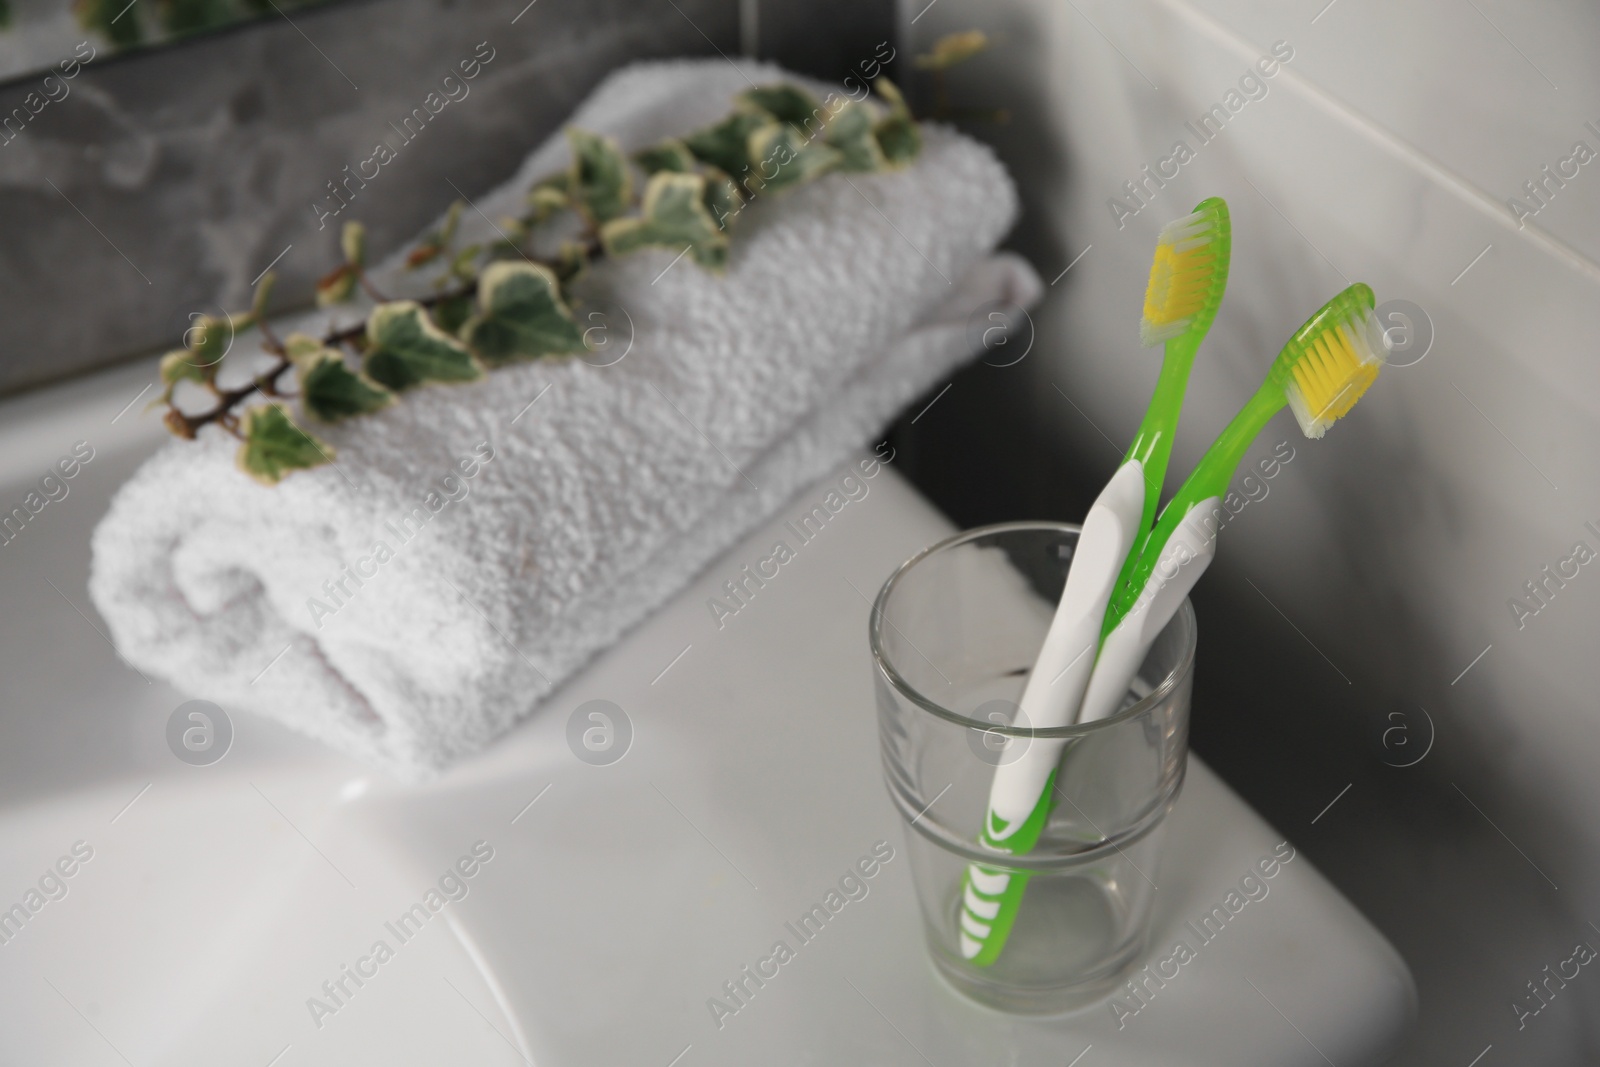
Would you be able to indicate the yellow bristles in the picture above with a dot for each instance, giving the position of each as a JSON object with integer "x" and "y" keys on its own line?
{"x": 1181, "y": 277}
{"x": 1335, "y": 367}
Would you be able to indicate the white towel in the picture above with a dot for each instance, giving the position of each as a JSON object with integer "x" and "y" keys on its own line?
{"x": 515, "y": 547}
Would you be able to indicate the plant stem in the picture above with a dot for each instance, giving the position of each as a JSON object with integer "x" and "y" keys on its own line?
{"x": 266, "y": 383}
{"x": 361, "y": 279}
{"x": 228, "y": 399}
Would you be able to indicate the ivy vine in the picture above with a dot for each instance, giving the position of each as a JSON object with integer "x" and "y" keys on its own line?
{"x": 126, "y": 26}
{"x": 501, "y": 303}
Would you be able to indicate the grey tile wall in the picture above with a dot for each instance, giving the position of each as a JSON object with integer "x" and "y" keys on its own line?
{"x": 163, "y": 183}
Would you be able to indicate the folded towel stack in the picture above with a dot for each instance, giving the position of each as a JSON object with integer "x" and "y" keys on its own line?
{"x": 468, "y": 552}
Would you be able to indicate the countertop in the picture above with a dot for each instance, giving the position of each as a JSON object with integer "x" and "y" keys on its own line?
{"x": 616, "y": 898}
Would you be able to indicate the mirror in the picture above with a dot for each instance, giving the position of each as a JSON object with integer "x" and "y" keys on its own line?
{"x": 38, "y": 34}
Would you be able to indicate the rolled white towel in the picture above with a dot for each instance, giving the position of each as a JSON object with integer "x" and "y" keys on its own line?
{"x": 468, "y": 552}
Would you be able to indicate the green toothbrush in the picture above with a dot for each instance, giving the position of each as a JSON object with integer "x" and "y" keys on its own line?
{"x": 1322, "y": 371}
{"x": 1187, "y": 277}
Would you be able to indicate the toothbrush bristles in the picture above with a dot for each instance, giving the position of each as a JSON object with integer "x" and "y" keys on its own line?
{"x": 1336, "y": 366}
{"x": 1181, "y": 276}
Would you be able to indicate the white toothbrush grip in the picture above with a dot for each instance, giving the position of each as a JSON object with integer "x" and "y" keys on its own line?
{"x": 1065, "y": 661}
{"x": 1184, "y": 559}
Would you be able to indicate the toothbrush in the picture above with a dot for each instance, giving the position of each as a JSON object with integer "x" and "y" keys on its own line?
{"x": 1188, "y": 274}
{"x": 1184, "y": 558}
{"x": 1021, "y": 795}
{"x": 1322, "y": 371}
{"x": 990, "y": 896}
{"x": 1320, "y": 374}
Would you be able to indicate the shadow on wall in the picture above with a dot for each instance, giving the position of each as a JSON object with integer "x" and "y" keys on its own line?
{"x": 1326, "y": 675}
{"x": 976, "y": 464}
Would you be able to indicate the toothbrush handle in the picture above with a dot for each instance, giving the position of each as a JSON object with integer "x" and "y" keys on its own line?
{"x": 1209, "y": 479}
{"x": 1021, "y": 794}
{"x": 1152, "y": 442}
{"x": 1066, "y": 658}
{"x": 990, "y": 896}
{"x": 1187, "y": 555}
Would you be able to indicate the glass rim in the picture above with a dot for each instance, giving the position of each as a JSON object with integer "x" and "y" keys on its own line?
{"x": 1157, "y": 694}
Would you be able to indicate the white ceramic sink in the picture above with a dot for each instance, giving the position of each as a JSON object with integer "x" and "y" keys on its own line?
{"x": 618, "y": 898}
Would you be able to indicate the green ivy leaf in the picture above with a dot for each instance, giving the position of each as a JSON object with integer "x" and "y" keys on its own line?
{"x": 452, "y": 312}
{"x": 726, "y": 145}
{"x": 274, "y": 445}
{"x": 572, "y": 259}
{"x": 548, "y": 197}
{"x": 599, "y": 175}
{"x": 258, "y": 304}
{"x": 787, "y": 158}
{"x": 208, "y": 340}
{"x": 337, "y": 286}
{"x": 788, "y": 104}
{"x": 462, "y": 267}
{"x": 722, "y": 198}
{"x": 179, "y": 366}
{"x": 513, "y": 235}
{"x": 953, "y": 48}
{"x": 102, "y": 16}
{"x": 496, "y": 251}
{"x": 899, "y": 139}
{"x": 183, "y": 17}
{"x": 851, "y": 133}
{"x": 520, "y": 315}
{"x": 406, "y": 349}
{"x": 301, "y": 346}
{"x": 452, "y": 219}
{"x": 436, "y": 243}
{"x": 353, "y": 242}
{"x": 671, "y": 155}
{"x": 892, "y": 95}
{"x": 330, "y": 390}
{"x": 898, "y": 136}
{"x": 674, "y": 215}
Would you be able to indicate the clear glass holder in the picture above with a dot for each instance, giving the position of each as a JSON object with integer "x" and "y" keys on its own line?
{"x": 954, "y": 634}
